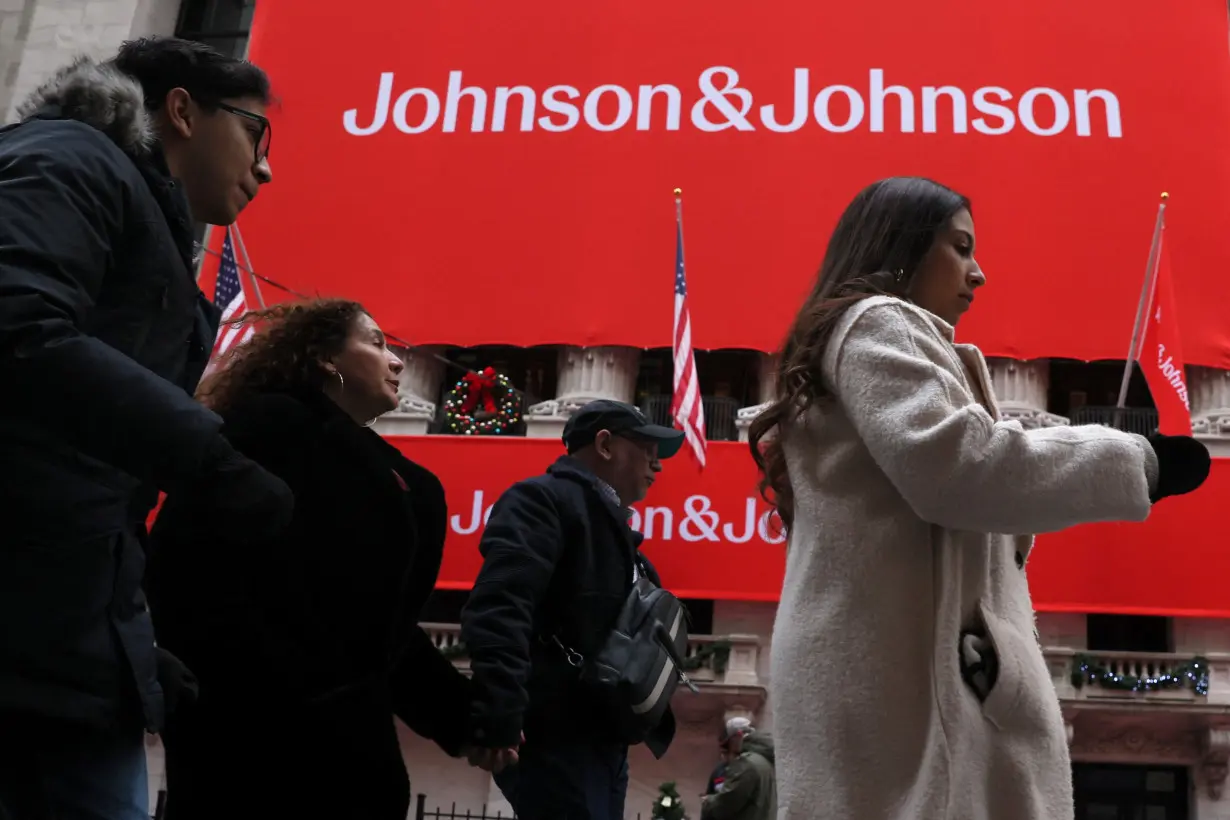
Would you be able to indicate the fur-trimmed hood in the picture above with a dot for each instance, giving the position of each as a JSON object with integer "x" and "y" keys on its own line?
{"x": 101, "y": 96}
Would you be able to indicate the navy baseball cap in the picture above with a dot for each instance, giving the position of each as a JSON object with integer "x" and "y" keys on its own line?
{"x": 618, "y": 418}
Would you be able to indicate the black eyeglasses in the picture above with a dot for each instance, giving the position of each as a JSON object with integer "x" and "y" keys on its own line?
{"x": 648, "y": 446}
{"x": 266, "y": 133}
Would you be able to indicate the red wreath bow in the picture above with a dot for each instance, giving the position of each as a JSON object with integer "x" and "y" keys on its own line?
{"x": 479, "y": 389}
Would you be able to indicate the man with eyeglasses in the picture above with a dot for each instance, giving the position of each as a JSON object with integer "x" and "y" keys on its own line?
{"x": 103, "y": 337}
{"x": 559, "y": 560}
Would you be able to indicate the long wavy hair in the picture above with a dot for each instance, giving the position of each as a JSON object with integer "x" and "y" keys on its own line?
{"x": 878, "y": 245}
{"x": 292, "y": 341}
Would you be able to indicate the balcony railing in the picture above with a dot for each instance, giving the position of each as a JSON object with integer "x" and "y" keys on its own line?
{"x": 714, "y": 660}
{"x": 447, "y": 638}
{"x": 1154, "y": 677}
{"x": 720, "y": 414}
{"x": 1140, "y": 420}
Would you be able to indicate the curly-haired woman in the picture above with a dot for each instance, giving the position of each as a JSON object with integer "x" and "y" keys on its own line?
{"x": 306, "y": 645}
{"x": 907, "y": 681}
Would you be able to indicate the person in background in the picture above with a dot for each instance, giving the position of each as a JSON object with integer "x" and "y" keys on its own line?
{"x": 559, "y": 560}
{"x": 909, "y": 504}
{"x": 308, "y": 645}
{"x": 103, "y": 337}
{"x": 749, "y": 789}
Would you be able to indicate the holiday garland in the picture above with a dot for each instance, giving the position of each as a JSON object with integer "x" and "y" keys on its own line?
{"x": 1087, "y": 669}
{"x": 719, "y": 651}
{"x": 483, "y": 403}
{"x": 457, "y": 650}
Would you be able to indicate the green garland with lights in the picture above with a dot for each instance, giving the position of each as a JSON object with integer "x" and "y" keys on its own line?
{"x": 456, "y": 651}
{"x": 718, "y": 651}
{"x": 484, "y": 403}
{"x": 1194, "y": 674}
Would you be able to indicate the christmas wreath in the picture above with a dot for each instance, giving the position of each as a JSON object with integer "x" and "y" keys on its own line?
{"x": 482, "y": 403}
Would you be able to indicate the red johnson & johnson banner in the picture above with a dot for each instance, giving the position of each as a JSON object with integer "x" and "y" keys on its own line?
{"x": 711, "y": 537}
{"x": 485, "y": 172}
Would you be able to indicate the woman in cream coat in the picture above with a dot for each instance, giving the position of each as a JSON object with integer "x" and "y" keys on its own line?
{"x": 907, "y": 679}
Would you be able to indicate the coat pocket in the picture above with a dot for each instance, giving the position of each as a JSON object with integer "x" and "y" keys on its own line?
{"x": 999, "y": 673}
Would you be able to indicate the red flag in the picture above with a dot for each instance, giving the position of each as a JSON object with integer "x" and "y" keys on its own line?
{"x": 1161, "y": 353}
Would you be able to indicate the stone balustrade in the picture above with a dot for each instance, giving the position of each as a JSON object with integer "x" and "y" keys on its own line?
{"x": 716, "y": 660}
{"x": 1167, "y": 677}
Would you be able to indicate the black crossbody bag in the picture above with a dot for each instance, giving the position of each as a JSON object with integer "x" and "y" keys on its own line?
{"x": 640, "y": 664}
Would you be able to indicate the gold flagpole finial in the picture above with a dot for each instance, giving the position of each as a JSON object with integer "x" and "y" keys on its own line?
{"x": 678, "y": 192}
{"x": 1165, "y": 195}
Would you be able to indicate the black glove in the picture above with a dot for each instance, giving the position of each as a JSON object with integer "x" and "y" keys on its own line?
{"x": 179, "y": 685}
{"x": 1182, "y": 465}
{"x": 239, "y": 496}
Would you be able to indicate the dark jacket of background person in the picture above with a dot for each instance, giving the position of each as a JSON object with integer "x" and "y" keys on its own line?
{"x": 306, "y": 646}
{"x": 715, "y": 778}
{"x": 749, "y": 788}
{"x": 103, "y": 337}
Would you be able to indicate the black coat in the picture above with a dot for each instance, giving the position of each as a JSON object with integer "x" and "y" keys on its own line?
{"x": 306, "y": 646}
{"x": 557, "y": 562}
{"x": 103, "y": 337}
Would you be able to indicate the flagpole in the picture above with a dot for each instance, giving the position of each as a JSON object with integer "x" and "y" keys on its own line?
{"x": 200, "y": 263}
{"x": 1145, "y": 303}
{"x": 679, "y": 213}
{"x": 243, "y": 249}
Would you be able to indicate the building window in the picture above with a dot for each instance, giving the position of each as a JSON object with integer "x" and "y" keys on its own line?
{"x": 223, "y": 24}
{"x": 1120, "y": 792}
{"x": 1128, "y": 633}
{"x": 1086, "y": 392}
{"x": 700, "y": 615}
{"x": 444, "y": 606}
{"x": 729, "y": 380}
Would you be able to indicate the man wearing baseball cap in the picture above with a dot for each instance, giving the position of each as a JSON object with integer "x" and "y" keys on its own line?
{"x": 559, "y": 559}
{"x": 749, "y": 788}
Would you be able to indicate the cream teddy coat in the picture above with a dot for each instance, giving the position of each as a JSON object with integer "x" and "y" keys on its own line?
{"x": 914, "y": 508}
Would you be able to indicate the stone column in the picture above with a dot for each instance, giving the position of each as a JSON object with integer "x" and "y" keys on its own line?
{"x": 1021, "y": 391}
{"x": 743, "y": 663}
{"x": 421, "y": 385}
{"x": 15, "y": 19}
{"x": 584, "y": 374}
{"x": 767, "y": 372}
{"x": 1209, "y": 394}
{"x": 37, "y": 37}
{"x": 1208, "y": 391}
{"x": 1215, "y": 749}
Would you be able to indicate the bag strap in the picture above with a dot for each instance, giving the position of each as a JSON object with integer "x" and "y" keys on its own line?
{"x": 573, "y": 657}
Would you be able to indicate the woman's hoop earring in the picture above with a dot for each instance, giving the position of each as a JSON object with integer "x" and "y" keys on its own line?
{"x": 898, "y": 275}
{"x": 341, "y": 381}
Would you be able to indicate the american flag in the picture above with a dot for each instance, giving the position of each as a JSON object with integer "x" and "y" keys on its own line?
{"x": 229, "y": 297}
{"x": 686, "y": 407}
